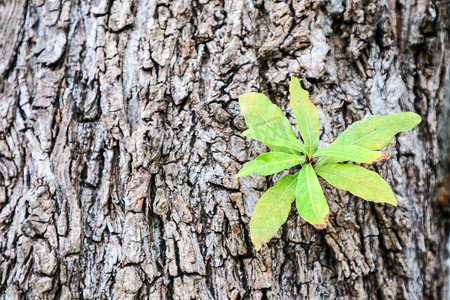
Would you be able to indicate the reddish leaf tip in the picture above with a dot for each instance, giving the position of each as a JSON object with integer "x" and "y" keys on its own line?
{"x": 383, "y": 156}
{"x": 320, "y": 226}
{"x": 324, "y": 225}
{"x": 326, "y": 218}
{"x": 258, "y": 247}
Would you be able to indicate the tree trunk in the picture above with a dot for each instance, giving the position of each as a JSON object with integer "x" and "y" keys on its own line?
{"x": 120, "y": 141}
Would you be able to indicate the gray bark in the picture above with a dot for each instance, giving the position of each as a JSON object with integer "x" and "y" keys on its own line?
{"x": 120, "y": 139}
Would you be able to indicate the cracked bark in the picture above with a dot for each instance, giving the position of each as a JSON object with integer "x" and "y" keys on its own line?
{"x": 120, "y": 142}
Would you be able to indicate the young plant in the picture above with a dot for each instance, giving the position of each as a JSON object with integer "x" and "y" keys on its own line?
{"x": 266, "y": 123}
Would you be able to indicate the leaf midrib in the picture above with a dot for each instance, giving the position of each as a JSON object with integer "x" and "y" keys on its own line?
{"x": 310, "y": 195}
{"x": 288, "y": 142}
{"x": 307, "y": 127}
{"x": 257, "y": 110}
{"x": 278, "y": 162}
{"x": 355, "y": 155}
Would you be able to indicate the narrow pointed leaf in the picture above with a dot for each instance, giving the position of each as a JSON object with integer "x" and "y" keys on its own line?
{"x": 311, "y": 203}
{"x": 271, "y": 163}
{"x": 358, "y": 181}
{"x": 353, "y": 153}
{"x": 268, "y": 124}
{"x": 306, "y": 115}
{"x": 275, "y": 140}
{"x": 374, "y": 132}
{"x": 271, "y": 210}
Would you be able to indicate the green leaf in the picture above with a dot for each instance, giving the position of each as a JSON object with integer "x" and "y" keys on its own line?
{"x": 268, "y": 124}
{"x": 275, "y": 140}
{"x": 374, "y": 132}
{"x": 358, "y": 181}
{"x": 271, "y": 163}
{"x": 311, "y": 203}
{"x": 272, "y": 210}
{"x": 353, "y": 153}
{"x": 306, "y": 115}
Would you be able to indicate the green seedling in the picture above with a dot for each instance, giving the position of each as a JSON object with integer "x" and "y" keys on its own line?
{"x": 266, "y": 123}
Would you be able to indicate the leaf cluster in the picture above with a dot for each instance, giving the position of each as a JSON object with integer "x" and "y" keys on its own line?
{"x": 358, "y": 143}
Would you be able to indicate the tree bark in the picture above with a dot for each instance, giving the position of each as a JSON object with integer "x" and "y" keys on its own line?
{"x": 120, "y": 141}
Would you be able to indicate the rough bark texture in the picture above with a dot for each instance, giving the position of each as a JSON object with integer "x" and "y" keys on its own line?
{"x": 120, "y": 142}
